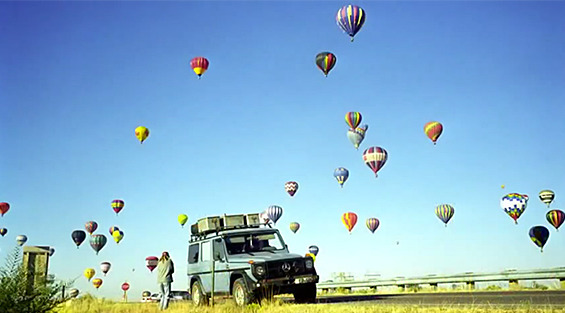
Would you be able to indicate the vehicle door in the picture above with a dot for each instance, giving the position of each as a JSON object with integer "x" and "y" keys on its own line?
{"x": 221, "y": 267}
{"x": 206, "y": 266}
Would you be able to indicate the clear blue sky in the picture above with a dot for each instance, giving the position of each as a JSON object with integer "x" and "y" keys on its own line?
{"x": 76, "y": 78}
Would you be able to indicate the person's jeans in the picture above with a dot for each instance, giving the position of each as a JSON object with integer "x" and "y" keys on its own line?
{"x": 165, "y": 292}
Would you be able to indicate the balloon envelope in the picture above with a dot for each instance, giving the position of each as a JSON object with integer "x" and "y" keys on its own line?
{"x": 539, "y": 235}
{"x": 353, "y": 119}
{"x": 375, "y": 158}
{"x": 314, "y": 250}
{"x": 97, "y": 242}
{"x": 182, "y": 218}
{"x": 73, "y": 292}
{"x": 555, "y": 218}
{"x": 97, "y": 282}
{"x": 91, "y": 226}
{"x": 274, "y": 212}
{"x": 349, "y": 219}
{"x": 445, "y": 212}
{"x": 78, "y": 237}
{"x": 546, "y": 196}
{"x": 141, "y": 133}
{"x": 151, "y": 262}
{"x": 4, "y": 207}
{"x": 433, "y": 130}
{"x": 21, "y": 240}
{"x": 294, "y": 226}
{"x": 199, "y": 65}
{"x": 117, "y": 205}
{"x": 89, "y": 273}
{"x": 341, "y": 174}
{"x": 3, "y": 231}
{"x": 291, "y": 187}
{"x": 326, "y": 61}
{"x": 350, "y": 18}
{"x": 118, "y": 235}
{"x": 113, "y": 229}
{"x": 105, "y": 267}
{"x": 373, "y": 223}
{"x": 514, "y": 204}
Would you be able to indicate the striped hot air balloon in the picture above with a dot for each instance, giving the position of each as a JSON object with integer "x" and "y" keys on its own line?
{"x": 105, "y": 267}
{"x": 91, "y": 226}
{"x": 341, "y": 174}
{"x": 539, "y": 235}
{"x": 117, "y": 205}
{"x": 274, "y": 212}
{"x": 199, "y": 65}
{"x": 373, "y": 223}
{"x": 325, "y": 62}
{"x": 375, "y": 158}
{"x": 294, "y": 227}
{"x": 97, "y": 242}
{"x": 555, "y": 218}
{"x": 353, "y": 119}
{"x": 291, "y": 187}
{"x": 546, "y": 196}
{"x": 433, "y": 130}
{"x": 349, "y": 219}
{"x": 314, "y": 250}
{"x": 350, "y": 18}
{"x": 445, "y": 212}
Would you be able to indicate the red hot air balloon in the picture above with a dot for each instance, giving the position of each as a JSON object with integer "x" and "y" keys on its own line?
{"x": 4, "y": 207}
{"x": 151, "y": 262}
{"x": 117, "y": 205}
{"x": 199, "y": 65}
{"x": 433, "y": 130}
{"x": 375, "y": 158}
{"x": 349, "y": 219}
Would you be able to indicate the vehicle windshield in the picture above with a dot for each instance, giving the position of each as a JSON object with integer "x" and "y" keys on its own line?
{"x": 248, "y": 243}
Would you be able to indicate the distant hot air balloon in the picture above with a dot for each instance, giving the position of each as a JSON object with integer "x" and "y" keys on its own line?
{"x": 375, "y": 158}
{"x": 105, "y": 267}
{"x": 51, "y": 251}
{"x": 151, "y": 262}
{"x": 91, "y": 226}
{"x": 89, "y": 273}
{"x": 117, "y": 205}
{"x": 291, "y": 187}
{"x": 146, "y": 293}
{"x": 125, "y": 286}
{"x": 97, "y": 242}
{"x": 555, "y": 218}
{"x": 97, "y": 282}
{"x": 353, "y": 119}
{"x": 445, "y": 212}
{"x": 514, "y": 204}
{"x": 199, "y": 65}
{"x": 274, "y": 212}
{"x": 3, "y": 231}
{"x": 78, "y": 237}
{"x": 356, "y": 136}
{"x": 141, "y": 133}
{"x": 502, "y": 186}
{"x": 350, "y": 18}
{"x": 539, "y": 235}
{"x": 118, "y": 235}
{"x": 4, "y": 207}
{"x": 21, "y": 240}
{"x": 546, "y": 196}
{"x": 113, "y": 229}
{"x": 349, "y": 219}
{"x": 182, "y": 218}
{"x": 433, "y": 130}
{"x": 373, "y": 223}
{"x": 314, "y": 250}
{"x": 325, "y": 62}
{"x": 311, "y": 255}
{"x": 73, "y": 292}
{"x": 294, "y": 226}
{"x": 341, "y": 174}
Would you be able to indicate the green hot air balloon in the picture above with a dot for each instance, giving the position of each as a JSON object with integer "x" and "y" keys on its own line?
{"x": 294, "y": 226}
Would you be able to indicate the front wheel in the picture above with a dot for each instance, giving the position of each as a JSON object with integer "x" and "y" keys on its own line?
{"x": 241, "y": 295}
{"x": 305, "y": 293}
{"x": 198, "y": 296}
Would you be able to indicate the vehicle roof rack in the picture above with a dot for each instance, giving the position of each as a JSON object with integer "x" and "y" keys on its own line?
{"x": 215, "y": 224}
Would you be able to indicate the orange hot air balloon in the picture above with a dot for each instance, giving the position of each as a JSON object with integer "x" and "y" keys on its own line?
{"x": 349, "y": 219}
{"x": 199, "y": 65}
{"x": 97, "y": 282}
{"x": 433, "y": 130}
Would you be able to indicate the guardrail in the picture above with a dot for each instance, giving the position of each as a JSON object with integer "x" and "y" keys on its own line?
{"x": 469, "y": 278}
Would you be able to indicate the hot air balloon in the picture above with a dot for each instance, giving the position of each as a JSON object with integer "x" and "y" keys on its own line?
{"x": 78, "y": 237}
{"x": 118, "y": 235}
{"x": 97, "y": 242}
{"x": 4, "y": 207}
{"x": 502, "y": 186}
{"x": 3, "y": 231}
{"x": 514, "y": 204}
{"x": 325, "y": 62}
{"x": 291, "y": 187}
{"x": 21, "y": 240}
{"x": 314, "y": 250}
{"x": 294, "y": 226}
{"x": 375, "y": 158}
{"x": 182, "y": 218}
{"x": 445, "y": 212}
{"x": 350, "y": 18}
{"x": 141, "y": 133}
{"x": 372, "y": 224}
{"x": 546, "y": 196}
{"x": 117, "y": 205}
{"x": 51, "y": 251}
{"x": 341, "y": 174}
{"x": 105, "y": 267}
{"x": 89, "y": 273}
{"x": 433, "y": 130}
{"x": 353, "y": 119}
{"x": 555, "y": 218}
{"x": 91, "y": 226}
{"x": 113, "y": 229}
{"x": 97, "y": 282}
{"x": 151, "y": 262}
{"x": 199, "y": 65}
{"x": 539, "y": 235}
{"x": 310, "y": 255}
{"x": 356, "y": 136}
{"x": 146, "y": 293}
{"x": 274, "y": 212}
{"x": 125, "y": 287}
{"x": 349, "y": 219}
{"x": 73, "y": 292}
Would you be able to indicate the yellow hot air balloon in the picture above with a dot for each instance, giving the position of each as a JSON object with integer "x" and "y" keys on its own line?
{"x": 182, "y": 219}
{"x": 311, "y": 255}
{"x": 89, "y": 273}
{"x": 97, "y": 282}
{"x": 118, "y": 235}
{"x": 141, "y": 133}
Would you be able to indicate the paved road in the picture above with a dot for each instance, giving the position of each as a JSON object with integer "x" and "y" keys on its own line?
{"x": 494, "y": 298}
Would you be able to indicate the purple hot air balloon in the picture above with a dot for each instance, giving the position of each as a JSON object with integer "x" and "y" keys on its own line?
{"x": 373, "y": 223}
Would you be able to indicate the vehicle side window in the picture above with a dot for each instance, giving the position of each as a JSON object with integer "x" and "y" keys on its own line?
{"x": 193, "y": 253}
{"x": 219, "y": 247}
{"x": 205, "y": 253}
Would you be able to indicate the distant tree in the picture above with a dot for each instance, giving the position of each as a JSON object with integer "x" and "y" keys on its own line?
{"x": 17, "y": 295}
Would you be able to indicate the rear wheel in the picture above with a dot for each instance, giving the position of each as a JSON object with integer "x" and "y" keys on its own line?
{"x": 198, "y": 296}
{"x": 241, "y": 295}
{"x": 305, "y": 293}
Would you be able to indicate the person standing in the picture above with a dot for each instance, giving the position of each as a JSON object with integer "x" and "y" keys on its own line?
{"x": 165, "y": 270}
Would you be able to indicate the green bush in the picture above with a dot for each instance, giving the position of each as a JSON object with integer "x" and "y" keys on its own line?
{"x": 17, "y": 296}
{"x": 493, "y": 287}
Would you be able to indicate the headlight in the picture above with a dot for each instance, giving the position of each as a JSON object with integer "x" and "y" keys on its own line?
{"x": 309, "y": 264}
{"x": 259, "y": 270}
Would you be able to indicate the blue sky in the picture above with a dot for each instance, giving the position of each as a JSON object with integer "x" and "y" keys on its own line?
{"x": 76, "y": 78}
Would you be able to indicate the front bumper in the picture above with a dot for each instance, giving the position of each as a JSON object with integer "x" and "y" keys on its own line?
{"x": 288, "y": 281}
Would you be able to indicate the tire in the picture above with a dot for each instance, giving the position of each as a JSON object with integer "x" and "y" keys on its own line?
{"x": 241, "y": 295}
{"x": 305, "y": 293}
{"x": 198, "y": 296}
